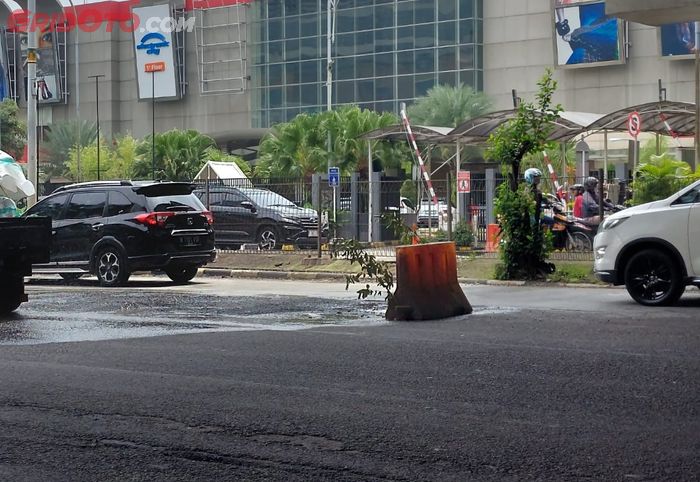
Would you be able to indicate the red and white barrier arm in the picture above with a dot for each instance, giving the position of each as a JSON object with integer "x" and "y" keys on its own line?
{"x": 424, "y": 171}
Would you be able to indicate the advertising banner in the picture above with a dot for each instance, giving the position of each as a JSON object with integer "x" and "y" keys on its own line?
{"x": 585, "y": 36}
{"x": 156, "y": 71}
{"x": 678, "y": 40}
{"x": 4, "y": 73}
{"x": 48, "y": 85}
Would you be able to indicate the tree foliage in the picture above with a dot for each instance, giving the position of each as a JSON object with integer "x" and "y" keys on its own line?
{"x": 179, "y": 155}
{"x": 116, "y": 160}
{"x": 524, "y": 249}
{"x": 62, "y": 138}
{"x": 13, "y": 132}
{"x": 448, "y": 106}
{"x": 660, "y": 177}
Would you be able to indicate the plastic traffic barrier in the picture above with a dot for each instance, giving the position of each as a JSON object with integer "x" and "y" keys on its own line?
{"x": 426, "y": 284}
{"x": 493, "y": 237}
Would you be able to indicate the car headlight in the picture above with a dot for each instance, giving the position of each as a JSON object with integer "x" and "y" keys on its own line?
{"x": 611, "y": 223}
{"x": 290, "y": 220}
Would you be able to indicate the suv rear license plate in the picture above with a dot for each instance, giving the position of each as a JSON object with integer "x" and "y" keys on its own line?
{"x": 190, "y": 241}
{"x": 313, "y": 233}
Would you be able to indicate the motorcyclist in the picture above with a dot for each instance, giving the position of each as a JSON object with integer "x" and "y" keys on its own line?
{"x": 591, "y": 202}
{"x": 533, "y": 176}
{"x": 578, "y": 200}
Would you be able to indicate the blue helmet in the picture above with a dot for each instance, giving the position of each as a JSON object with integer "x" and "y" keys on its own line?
{"x": 531, "y": 174}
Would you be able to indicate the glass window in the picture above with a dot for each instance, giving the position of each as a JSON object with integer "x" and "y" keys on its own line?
{"x": 466, "y": 32}
{"x": 276, "y": 74}
{"x": 345, "y": 92}
{"x": 293, "y": 75}
{"x": 309, "y": 6}
{"x": 291, "y": 7}
{"x": 384, "y": 40}
{"x": 276, "y": 51}
{"x": 424, "y": 83}
{"x": 404, "y": 38}
{"x": 309, "y": 25}
{"x": 404, "y": 63}
{"x": 118, "y": 204}
{"x": 230, "y": 199}
{"x": 276, "y": 97}
{"x": 291, "y": 27}
{"x": 364, "y": 42}
{"x": 50, "y": 207}
{"x": 425, "y": 11}
{"x": 466, "y": 57}
{"x": 275, "y": 28}
{"x": 365, "y": 90}
{"x": 85, "y": 205}
{"x": 364, "y": 66}
{"x": 446, "y": 33}
{"x": 385, "y": 88}
{"x": 309, "y": 72}
{"x": 277, "y": 116}
{"x": 384, "y": 16}
{"x": 405, "y": 87}
{"x": 345, "y": 45}
{"x": 467, "y": 78}
{"x": 274, "y": 8}
{"x": 345, "y": 20}
{"x": 405, "y": 13}
{"x": 691, "y": 197}
{"x": 384, "y": 107}
{"x": 383, "y": 65}
{"x": 292, "y": 49}
{"x": 425, "y": 60}
{"x": 309, "y": 48}
{"x": 425, "y": 36}
{"x": 447, "y": 58}
{"x": 466, "y": 8}
{"x": 447, "y": 10}
{"x": 309, "y": 94}
{"x": 345, "y": 68}
{"x": 364, "y": 18}
{"x": 293, "y": 95}
{"x": 447, "y": 78}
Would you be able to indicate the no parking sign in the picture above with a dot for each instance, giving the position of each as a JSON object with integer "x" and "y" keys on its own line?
{"x": 634, "y": 124}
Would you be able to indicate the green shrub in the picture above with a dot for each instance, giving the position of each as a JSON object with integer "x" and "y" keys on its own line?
{"x": 463, "y": 235}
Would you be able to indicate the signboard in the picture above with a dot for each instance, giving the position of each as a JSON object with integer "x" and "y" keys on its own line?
{"x": 155, "y": 54}
{"x": 46, "y": 58}
{"x": 585, "y": 36}
{"x": 464, "y": 181}
{"x": 678, "y": 40}
{"x": 4, "y": 72}
{"x": 634, "y": 124}
{"x": 334, "y": 176}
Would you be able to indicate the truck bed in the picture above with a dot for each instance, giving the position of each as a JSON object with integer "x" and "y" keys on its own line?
{"x": 24, "y": 241}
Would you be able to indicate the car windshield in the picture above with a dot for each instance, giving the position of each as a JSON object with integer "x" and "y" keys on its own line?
{"x": 188, "y": 202}
{"x": 269, "y": 199}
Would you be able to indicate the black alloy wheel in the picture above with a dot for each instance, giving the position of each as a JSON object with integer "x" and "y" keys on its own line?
{"x": 653, "y": 279}
{"x": 111, "y": 268}
{"x": 268, "y": 238}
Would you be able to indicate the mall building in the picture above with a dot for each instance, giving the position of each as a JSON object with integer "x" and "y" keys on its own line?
{"x": 232, "y": 68}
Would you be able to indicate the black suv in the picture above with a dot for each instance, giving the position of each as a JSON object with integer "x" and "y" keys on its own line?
{"x": 253, "y": 215}
{"x": 113, "y": 228}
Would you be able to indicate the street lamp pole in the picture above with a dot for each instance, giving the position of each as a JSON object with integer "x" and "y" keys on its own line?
{"x": 97, "y": 112}
{"x": 31, "y": 103}
{"x": 153, "y": 125}
{"x": 697, "y": 95}
{"x": 79, "y": 139}
{"x": 330, "y": 31}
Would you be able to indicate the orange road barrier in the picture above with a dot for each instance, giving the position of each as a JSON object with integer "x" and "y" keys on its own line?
{"x": 426, "y": 284}
{"x": 493, "y": 237}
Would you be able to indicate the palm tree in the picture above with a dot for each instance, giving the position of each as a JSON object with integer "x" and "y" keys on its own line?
{"x": 179, "y": 155}
{"x": 61, "y": 138}
{"x": 448, "y": 106}
{"x": 660, "y": 177}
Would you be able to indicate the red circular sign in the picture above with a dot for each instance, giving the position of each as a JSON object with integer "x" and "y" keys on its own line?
{"x": 634, "y": 124}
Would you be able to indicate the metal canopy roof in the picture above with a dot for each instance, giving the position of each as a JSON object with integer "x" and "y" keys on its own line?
{"x": 679, "y": 115}
{"x": 397, "y": 132}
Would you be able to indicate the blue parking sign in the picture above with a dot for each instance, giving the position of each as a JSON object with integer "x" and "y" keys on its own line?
{"x": 333, "y": 176}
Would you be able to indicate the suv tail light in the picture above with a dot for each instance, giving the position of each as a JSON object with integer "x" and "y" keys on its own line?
{"x": 154, "y": 219}
{"x": 209, "y": 216}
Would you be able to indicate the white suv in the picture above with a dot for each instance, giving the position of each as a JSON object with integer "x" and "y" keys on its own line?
{"x": 653, "y": 249}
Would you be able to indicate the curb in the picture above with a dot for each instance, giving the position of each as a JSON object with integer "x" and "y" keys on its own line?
{"x": 329, "y": 276}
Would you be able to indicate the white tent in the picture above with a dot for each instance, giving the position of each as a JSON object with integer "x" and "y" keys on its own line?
{"x": 213, "y": 170}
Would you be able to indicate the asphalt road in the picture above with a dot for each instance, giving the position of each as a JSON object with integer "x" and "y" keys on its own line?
{"x": 262, "y": 380}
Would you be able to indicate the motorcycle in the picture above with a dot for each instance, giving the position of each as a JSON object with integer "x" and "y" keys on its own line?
{"x": 570, "y": 233}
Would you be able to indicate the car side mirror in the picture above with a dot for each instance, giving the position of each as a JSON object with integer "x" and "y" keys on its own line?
{"x": 248, "y": 205}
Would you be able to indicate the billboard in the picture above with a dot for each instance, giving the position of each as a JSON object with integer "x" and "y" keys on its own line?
{"x": 678, "y": 40}
{"x": 48, "y": 83}
{"x": 585, "y": 36}
{"x": 156, "y": 71}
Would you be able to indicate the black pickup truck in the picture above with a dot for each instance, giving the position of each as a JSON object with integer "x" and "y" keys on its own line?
{"x": 23, "y": 242}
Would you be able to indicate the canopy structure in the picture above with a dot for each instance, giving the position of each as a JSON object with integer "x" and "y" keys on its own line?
{"x": 676, "y": 119}
{"x": 213, "y": 170}
{"x": 398, "y": 132}
{"x": 567, "y": 126}
{"x": 654, "y": 12}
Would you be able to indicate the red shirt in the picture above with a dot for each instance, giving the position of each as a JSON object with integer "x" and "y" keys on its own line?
{"x": 578, "y": 206}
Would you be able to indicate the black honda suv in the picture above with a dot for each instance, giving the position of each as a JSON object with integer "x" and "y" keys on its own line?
{"x": 113, "y": 228}
{"x": 254, "y": 215}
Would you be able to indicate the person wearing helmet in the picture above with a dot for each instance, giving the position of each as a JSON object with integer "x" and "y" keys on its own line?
{"x": 533, "y": 176}
{"x": 591, "y": 203}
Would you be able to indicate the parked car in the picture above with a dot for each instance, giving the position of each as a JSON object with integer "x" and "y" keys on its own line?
{"x": 652, "y": 248}
{"x": 429, "y": 214}
{"x": 252, "y": 215}
{"x": 114, "y": 228}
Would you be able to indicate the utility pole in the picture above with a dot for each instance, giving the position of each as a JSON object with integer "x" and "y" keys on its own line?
{"x": 31, "y": 104}
{"x": 153, "y": 125}
{"x": 330, "y": 31}
{"x": 97, "y": 112}
{"x": 697, "y": 95}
